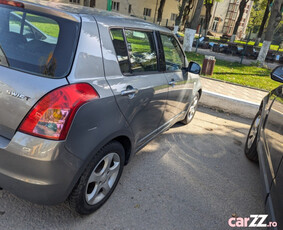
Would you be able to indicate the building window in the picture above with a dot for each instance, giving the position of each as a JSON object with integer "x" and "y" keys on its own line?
{"x": 92, "y": 3}
{"x": 173, "y": 17}
{"x": 75, "y": 1}
{"x": 130, "y": 9}
{"x": 147, "y": 12}
{"x": 215, "y": 24}
{"x": 115, "y": 6}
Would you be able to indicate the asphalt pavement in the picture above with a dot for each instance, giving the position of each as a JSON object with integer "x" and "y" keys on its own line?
{"x": 190, "y": 177}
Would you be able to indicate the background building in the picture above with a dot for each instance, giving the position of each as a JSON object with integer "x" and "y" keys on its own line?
{"x": 224, "y": 17}
{"x": 224, "y": 13}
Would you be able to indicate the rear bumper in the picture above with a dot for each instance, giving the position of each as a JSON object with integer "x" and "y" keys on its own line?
{"x": 38, "y": 170}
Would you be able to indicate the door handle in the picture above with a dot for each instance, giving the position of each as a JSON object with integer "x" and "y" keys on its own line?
{"x": 130, "y": 91}
{"x": 172, "y": 82}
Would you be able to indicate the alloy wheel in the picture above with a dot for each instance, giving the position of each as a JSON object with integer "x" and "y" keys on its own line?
{"x": 102, "y": 178}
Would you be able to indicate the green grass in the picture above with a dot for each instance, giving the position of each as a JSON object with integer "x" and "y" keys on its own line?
{"x": 237, "y": 73}
{"x": 272, "y": 47}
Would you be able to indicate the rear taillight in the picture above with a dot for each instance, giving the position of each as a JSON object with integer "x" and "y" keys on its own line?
{"x": 52, "y": 116}
{"x": 12, "y": 3}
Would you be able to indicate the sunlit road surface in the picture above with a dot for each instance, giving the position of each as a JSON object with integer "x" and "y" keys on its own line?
{"x": 190, "y": 177}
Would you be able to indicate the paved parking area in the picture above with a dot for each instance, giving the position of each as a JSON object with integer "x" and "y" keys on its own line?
{"x": 190, "y": 177}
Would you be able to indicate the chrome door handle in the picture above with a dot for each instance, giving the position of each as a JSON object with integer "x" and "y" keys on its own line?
{"x": 130, "y": 91}
{"x": 172, "y": 82}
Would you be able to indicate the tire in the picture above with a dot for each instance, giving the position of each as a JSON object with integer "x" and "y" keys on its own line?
{"x": 99, "y": 179}
{"x": 251, "y": 142}
{"x": 191, "y": 110}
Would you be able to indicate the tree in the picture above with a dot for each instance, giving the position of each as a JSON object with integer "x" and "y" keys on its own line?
{"x": 193, "y": 24}
{"x": 160, "y": 10}
{"x": 187, "y": 12}
{"x": 274, "y": 20}
{"x": 184, "y": 12}
{"x": 180, "y": 15}
{"x": 192, "y": 27}
{"x": 242, "y": 7}
{"x": 256, "y": 15}
{"x": 208, "y": 7}
{"x": 278, "y": 38}
{"x": 263, "y": 22}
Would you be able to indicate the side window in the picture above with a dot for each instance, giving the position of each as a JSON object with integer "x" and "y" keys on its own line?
{"x": 120, "y": 49}
{"x": 142, "y": 51}
{"x": 174, "y": 57}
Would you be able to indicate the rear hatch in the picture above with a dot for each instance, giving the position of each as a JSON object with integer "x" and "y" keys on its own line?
{"x": 36, "y": 55}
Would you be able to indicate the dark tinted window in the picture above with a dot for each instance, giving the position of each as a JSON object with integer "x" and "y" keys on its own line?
{"x": 120, "y": 49}
{"x": 142, "y": 51}
{"x": 174, "y": 57}
{"x": 36, "y": 43}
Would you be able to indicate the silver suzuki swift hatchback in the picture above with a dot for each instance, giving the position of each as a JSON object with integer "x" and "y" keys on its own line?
{"x": 81, "y": 90}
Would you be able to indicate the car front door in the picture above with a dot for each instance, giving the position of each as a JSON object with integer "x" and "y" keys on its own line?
{"x": 179, "y": 80}
{"x": 140, "y": 90}
{"x": 273, "y": 132}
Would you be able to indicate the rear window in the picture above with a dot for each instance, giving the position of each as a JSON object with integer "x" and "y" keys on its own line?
{"x": 37, "y": 43}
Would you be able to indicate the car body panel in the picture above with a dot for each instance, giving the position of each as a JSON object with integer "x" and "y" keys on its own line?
{"x": 39, "y": 170}
{"x": 270, "y": 151}
{"x": 18, "y": 95}
{"x": 144, "y": 111}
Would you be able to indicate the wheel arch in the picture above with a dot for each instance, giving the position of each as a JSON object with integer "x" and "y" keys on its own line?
{"x": 127, "y": 145}
{"x": 200, "y": 92}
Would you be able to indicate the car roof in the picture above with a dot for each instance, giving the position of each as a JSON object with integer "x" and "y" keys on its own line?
{"x": 102, "y": 16}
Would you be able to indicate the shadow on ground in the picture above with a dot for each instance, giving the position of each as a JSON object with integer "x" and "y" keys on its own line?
{"x": 190, "y": 177}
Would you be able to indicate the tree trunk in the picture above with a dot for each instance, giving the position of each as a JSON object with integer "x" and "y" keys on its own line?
{"x": 187, "y": 12}
{"x": 275, "y": 18}
{"x": 181, "y": 12}
{"x": 242, "y": 7}
{"x": 208, "y": 7}
{"x": 195, "y": 20}
{"x": 263, "y": 22}
{"x": 188, "y": 39}
{"x": 191, "y": 31}
{"x": 160, "y": 10}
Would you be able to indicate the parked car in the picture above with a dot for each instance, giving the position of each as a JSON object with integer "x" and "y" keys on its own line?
{"x": 30, "y": 32}
{"x": 73, "y": 112}
{"x": 265, "y": 144}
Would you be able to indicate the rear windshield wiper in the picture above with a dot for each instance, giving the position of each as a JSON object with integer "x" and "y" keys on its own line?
{"x": 3, "y": 58}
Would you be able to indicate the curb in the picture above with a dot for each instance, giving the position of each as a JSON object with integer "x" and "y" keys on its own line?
{"x": 229, "y": 104}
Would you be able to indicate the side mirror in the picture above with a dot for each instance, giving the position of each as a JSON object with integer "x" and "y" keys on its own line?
{"x": 277, "y": 74}
{"x": 194, "y": 68}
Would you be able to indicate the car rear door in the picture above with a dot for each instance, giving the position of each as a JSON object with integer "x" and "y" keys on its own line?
{"x": 138, "y": 85}
{"x": 179, "y": 81}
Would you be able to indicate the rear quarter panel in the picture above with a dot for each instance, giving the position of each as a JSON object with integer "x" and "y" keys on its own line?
{"x": 99, "y": 121}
